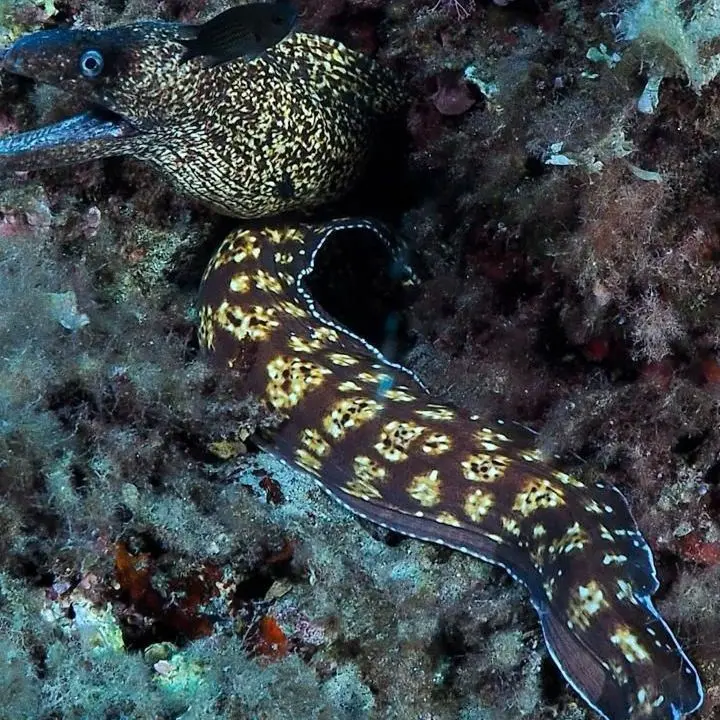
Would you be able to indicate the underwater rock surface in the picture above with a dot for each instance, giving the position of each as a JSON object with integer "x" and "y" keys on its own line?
{"x": 569, "y": 245}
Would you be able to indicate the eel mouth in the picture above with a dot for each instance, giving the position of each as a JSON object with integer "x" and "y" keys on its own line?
{"x": 97, "y": 132}
{"x": 93, "y": 134}
{"x": 95, "y": 126}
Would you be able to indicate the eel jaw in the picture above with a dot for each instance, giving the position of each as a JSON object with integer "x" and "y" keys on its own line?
{"x": 96, "y": 133}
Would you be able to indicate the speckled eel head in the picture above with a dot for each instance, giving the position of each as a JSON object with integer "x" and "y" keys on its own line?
{"x": 287, "y": 130}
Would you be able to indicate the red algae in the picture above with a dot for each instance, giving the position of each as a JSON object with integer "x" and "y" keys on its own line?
{"x": 270, "y": 642}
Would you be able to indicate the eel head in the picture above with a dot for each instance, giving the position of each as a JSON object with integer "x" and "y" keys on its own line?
{"x": 290, "y": 129}
{"x": 116, "y": 73}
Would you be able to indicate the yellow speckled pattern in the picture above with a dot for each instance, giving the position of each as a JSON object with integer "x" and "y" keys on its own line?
{"x": 372, "y": 437}
{"x": 291, "y": 130}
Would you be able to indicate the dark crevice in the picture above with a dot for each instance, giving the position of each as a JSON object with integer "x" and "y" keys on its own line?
{"x": 551, "y": 681}
{"x": 356, "y": 281}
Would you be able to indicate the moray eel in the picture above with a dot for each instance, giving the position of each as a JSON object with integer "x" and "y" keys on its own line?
{"x": 364, "y": 427}
{"x": 289, "y": 130}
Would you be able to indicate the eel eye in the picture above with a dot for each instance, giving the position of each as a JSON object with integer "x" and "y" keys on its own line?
{"x": 91, "y": 63}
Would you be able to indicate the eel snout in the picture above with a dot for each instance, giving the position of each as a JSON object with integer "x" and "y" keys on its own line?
{"x": 97, "y": 132}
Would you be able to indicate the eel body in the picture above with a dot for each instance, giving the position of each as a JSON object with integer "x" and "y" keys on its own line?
{"x": 369, "y": 433}
{"x": 290, "y": 130}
